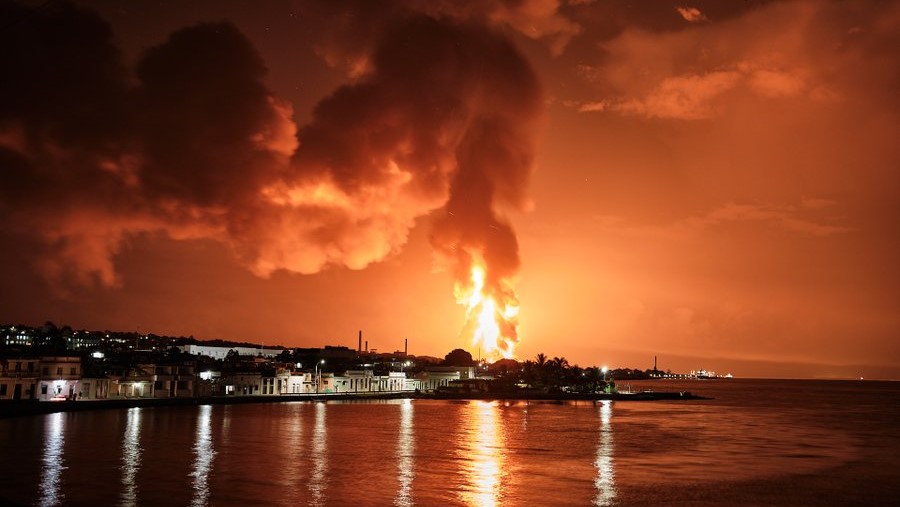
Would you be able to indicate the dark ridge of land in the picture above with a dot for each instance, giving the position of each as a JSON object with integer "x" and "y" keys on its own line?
{"x": 34, "y": 407}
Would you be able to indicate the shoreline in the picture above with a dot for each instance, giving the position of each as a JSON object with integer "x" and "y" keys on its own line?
{"x": 34, "y": 407}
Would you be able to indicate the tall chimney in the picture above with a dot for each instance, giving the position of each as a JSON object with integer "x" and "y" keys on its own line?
{"x": 359, "y": 345}
{"x": 654, "y": 364}
{"x": 406, "y": 346}
{"x": 367, "y": 345}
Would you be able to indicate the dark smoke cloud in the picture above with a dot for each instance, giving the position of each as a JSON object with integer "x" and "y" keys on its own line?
{"x": 191, "y": 143}
{"x": 92, "y": 152}
{"x": 211, "y": 131}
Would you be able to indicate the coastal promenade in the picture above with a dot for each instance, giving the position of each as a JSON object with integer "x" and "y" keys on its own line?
{"x": 34, "y": 407}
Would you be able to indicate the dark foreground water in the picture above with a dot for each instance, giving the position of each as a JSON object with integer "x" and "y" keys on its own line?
{"x": 758, "y": 443}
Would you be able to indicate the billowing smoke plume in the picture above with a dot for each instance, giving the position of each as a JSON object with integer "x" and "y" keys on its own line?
{"x": 191, "y": 143}
{"x": 92, "y": 153}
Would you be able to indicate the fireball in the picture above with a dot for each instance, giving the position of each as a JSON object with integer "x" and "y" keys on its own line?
{"x": 492, "y": 312}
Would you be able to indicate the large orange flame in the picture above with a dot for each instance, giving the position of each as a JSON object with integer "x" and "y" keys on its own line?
{"x": 492, "y": 313}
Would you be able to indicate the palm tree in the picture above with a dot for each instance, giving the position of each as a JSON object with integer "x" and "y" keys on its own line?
{"x": 540, "y": 363}
{"x": 557, "y": 370}
{"x": 560, "y": 363}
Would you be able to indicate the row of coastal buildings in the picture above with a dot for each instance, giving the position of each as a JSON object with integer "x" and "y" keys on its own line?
{"x": 61, "y": 377}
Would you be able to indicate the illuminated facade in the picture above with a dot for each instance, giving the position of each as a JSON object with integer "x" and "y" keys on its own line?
{"x": 137, "y": 382}
{"x": 59, "y": 378}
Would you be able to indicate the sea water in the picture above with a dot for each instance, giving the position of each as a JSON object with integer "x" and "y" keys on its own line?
{"x": 757, "y": 442}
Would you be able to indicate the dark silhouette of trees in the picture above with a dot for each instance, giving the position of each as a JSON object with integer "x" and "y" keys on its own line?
{"x": 507, "y": 372}
{"x": 554, "y": 375}
{"x": 458, "y": 357}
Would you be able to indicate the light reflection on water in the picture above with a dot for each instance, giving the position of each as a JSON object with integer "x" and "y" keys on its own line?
{"x": 204, "y": 454}
{"x": 482, "y": 451}
{"x": 318, "y": 478}
{"x": 428, "y": 452}
{"x": 606, "y": 474}
{"x": 293, "y": 470}
{"x": 131, "y": 456}
{"x": 51, "y": 472}
{"x": 406, "y": 466}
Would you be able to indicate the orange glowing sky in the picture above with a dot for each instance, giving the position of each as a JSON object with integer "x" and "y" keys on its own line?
{"x": 715, "y": 183}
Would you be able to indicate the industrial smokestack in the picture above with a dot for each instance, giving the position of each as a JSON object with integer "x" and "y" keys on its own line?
{"x": 367, "y": 345}
{"x": 654, "y": 364}
{"x": 359, "y": 345}
{"x": 406, "y": 346}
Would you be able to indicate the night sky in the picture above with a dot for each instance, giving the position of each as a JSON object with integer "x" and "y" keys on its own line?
{"x": 715, "y": 183}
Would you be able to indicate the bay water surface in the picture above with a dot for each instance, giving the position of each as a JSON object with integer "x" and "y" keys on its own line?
{"x": 758, "y": 442}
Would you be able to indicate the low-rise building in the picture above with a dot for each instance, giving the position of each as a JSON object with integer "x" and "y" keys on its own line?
{"x": 438, "y": 376}
{"x": 174, "y": 380}
{"x": 294, "y": 382}
{"x": 18, "y": 378}
{"x": 391, "y": 382}
{"x": 328, "y": 383}
{"x": 94, "y": 388}
{"x": 59, "y": 377}
{"x": 136, "y": 382}
{"x": 243, "y": 384}
{"x": 209, "y": 383}
{"x": 359, "y": 381}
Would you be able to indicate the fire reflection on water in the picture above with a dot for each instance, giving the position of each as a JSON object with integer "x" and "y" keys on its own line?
{"x": 203, "y": 456}
{"x": 131, "y": 456}
{"x": 405, "y": 455}
{"x": 483, "y": 453}
{"x": 318, "y": 477}
{"x": 605, "y": 481}
{"x": 51, "y": 473}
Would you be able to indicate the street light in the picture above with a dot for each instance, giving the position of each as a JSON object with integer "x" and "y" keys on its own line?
{"x": 604, "y": 370}
{"x": 317, "y": 374}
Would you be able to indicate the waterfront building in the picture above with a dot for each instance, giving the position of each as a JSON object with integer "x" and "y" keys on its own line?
{"x": 268, "y": 385}
{"x": 434, "y": 377}
{"x": 359, "y": 381}
{"x": 243, "y": 384}
{"x": 288, "y": 381}
{"x": 18, "y": 378}
{"x": 136, "y": 382}
{"x": 209, "y": 383}
{"x": 174, "y": 380}
{"x": 327, "y": 383}
{"x": 467, "y": 386}
{"x": 393, "y": 381}
{"x": 95, "y": 388}
{"x": 59, "y": 377}
{"x": 412, "y": 384}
